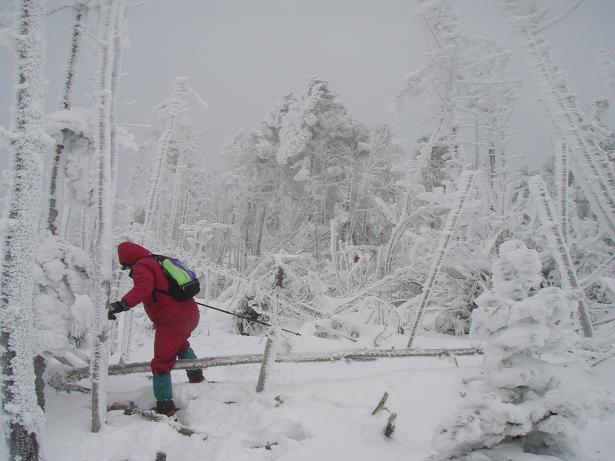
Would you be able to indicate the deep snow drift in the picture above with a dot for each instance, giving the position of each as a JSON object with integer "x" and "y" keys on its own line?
{"x": 308, "y": 411}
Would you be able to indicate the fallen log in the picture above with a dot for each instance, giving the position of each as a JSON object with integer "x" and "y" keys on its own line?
{"x": 348, "y": 355}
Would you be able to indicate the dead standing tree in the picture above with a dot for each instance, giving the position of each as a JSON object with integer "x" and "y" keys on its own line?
{"x": 66, "y": 102}
{"x": 105, "y": 192}
{"x": 23, "y": 418}
{"x": 269, "y": 356}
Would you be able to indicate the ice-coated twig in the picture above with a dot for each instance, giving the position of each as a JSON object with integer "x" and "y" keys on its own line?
{"x": 381, "y": 403}
{"x": 390, "y": 426}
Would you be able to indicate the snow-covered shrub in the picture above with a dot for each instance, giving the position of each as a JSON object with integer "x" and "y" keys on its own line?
{"x": 62, "y": 308}
{"x": 289, "y": 278}
{"x": 523, "y": 401}
{"x": 336, "y": 327}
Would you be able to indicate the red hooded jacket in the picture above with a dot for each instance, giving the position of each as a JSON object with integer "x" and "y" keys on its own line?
{"x": 148, "y": 278}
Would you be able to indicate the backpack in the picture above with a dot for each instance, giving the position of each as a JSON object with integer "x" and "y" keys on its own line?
{"x": 183, "y": 283}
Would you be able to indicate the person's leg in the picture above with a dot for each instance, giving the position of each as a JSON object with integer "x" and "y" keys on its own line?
{"x": 195, "y": 375}
{"x": 163, "y": 392}
{"x": 166, "y": 348}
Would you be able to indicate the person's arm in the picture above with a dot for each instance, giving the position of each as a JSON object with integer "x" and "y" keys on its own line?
{"x": 143, "y": 279}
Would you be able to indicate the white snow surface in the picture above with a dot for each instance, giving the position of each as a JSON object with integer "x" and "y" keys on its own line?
{"x": 308, "y": 411}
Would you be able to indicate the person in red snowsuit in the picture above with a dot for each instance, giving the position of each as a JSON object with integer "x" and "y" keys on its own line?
{"x": 173, "y": 320}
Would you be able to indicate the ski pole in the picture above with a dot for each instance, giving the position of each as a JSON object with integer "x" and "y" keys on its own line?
{"x": 245, "y": 318}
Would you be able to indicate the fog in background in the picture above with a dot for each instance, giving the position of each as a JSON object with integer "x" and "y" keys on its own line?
{"x": 242, "y": 55}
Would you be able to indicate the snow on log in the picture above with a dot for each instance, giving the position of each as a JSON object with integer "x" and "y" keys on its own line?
{"x": 349, "y": 355}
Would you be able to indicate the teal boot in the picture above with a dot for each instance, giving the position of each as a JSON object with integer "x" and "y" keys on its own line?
{"x": 195, "y": 375}
{"x": 163, "y": 391}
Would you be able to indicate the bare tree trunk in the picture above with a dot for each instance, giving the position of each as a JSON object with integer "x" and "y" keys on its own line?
{"x": 118, "y": 29}
{"x": 104, "y": 214}
{"x": 260, "y": 229}
{"x": 562, "y": 172}
{"x": 66, "y": 103}
{"x": 24, "y": 419}
{"x": 270, "y": 354}
{"x": 175, "y": 220}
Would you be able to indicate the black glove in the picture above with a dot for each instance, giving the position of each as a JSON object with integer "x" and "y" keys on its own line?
{"x": 115, "y": 308}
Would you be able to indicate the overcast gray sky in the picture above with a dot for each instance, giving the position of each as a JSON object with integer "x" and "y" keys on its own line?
{"x": 242, "y": 55}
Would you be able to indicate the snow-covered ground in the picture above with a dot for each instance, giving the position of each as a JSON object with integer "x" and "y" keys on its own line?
{"x": 309, "y": 411}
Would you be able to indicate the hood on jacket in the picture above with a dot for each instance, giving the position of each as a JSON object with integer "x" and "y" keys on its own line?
{"x": 129, "y": 253}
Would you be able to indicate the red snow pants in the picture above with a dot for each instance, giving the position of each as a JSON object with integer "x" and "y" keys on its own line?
{"x": 171, "y": 340}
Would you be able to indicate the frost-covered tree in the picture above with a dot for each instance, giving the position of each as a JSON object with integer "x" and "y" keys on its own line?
{"x": 319, "y": 141}
{"x": 604, "y": 135}
{"x": 311, "y": 178}
{"x": 567, "y": 121}
{"x": 557, "y": 243}
{"x": 21, "y": 418}
{"x": 62, "y": 306}
{"x": 73, "y": 183}
{"x": 447, "y": 235}
{"x": 102, "y": 250}
{"x": 467, "y": 75}
{"x": 171, "y": 150}
{"x": 523, "y": 404}
{"x": 66, "y": 103}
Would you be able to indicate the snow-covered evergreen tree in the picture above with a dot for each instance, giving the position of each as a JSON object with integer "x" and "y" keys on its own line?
{"x": 62, "y": 306}
{"x": 311, "y": 178}
{"x": 524, "y": 403}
